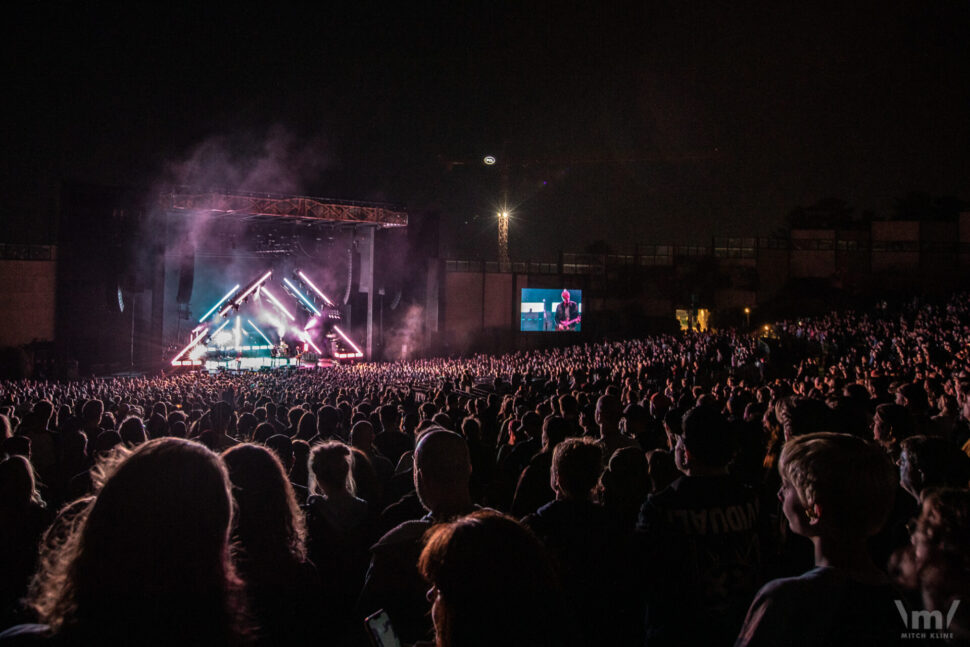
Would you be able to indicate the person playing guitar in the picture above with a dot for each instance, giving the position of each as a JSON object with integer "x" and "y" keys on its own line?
{"x": 567, "y": 313}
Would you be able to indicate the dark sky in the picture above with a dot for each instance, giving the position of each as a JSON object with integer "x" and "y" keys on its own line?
{"x": 629, "y": 122}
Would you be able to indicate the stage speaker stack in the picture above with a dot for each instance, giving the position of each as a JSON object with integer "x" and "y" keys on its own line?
{"x": 186, "y": 276}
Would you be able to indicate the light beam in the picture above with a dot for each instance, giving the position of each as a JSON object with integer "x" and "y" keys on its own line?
{"x": 305, "y": 300}
{"x": 216, "y": 306}
{"x": 278, "y": 304}
{"x": 315, "y": 288}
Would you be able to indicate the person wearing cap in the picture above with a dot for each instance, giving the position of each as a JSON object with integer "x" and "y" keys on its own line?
{"x": 699, "y": 541}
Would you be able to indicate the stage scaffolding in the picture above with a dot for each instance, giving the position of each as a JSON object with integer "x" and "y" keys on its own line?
{"x": 365, "y": 218}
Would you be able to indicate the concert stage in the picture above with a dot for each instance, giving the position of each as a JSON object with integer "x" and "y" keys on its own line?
{"x": 227, "y": 336}
{"x": 280, "y": 318}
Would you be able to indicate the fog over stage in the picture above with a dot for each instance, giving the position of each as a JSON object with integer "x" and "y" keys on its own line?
{"x": 256, "y": 278}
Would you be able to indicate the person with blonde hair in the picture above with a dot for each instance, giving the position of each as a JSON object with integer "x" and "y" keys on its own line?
{"x": 838, "y": 491}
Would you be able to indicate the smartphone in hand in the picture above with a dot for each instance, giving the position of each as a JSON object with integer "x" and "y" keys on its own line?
{"x": 381, "y": 631}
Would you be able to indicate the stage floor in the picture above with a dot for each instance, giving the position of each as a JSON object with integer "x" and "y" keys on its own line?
{"x": 259, "y": 363}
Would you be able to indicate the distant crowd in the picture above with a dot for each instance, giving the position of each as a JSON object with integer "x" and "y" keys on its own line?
{"x": 804, "y": 486}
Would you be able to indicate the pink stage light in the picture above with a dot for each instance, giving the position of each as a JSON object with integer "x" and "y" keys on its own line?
{"x": 175, "y": 360}
{"x": 242, "y": 297}
{"x": 315, "y": 288}
{"x": 357, "y": 350}
{"x": 307, "y": 340}
{"x": 310, "y": 324}
{"x": 278, "y": 304}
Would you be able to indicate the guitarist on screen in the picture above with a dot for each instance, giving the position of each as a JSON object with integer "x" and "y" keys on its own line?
{"x": 567, "y": 313}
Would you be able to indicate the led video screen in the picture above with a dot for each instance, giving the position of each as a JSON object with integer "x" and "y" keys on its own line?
{"x": 544, "y": 310}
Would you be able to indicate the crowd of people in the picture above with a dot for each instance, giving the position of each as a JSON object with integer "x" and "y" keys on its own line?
{"x": 807, "y": 486}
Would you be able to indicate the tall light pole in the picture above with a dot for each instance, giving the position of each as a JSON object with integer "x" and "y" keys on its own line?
{"x": 504, "y": 261}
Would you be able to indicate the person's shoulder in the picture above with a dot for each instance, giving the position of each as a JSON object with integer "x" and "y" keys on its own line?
{"x": 404, "y": 533}
{"x": 668, "y": 495}
{"x": 816, "y": 584}
{"x": 540, "y": 460}
{"x": 785, "y": 589}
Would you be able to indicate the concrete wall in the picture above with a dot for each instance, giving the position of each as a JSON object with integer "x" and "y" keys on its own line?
{"x": 27, "y": 301}
{"x": 895, "y": 247}
{"x": 812, "y": 253}
{"x": 462, "y": 306}
{"x": 773, "y": 266}
{"x": 501, "y": 300}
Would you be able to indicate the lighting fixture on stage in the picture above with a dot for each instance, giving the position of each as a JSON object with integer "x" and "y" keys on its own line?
{"x": 306, "y": 338}
{"x": 176, "y": 361}
{"x": 249, "y": 290}
{"x": 213, "y": 309}
{"x": 315, "y": 288}
{"x": 220, "y": 328}
{"x": 278, "y": 304}
{"x": 256, "y": 328}
{"x": 302, "y": 298}
{"x": 357, "y": 351}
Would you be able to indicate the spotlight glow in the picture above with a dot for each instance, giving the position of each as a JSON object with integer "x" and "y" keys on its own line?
{"x": 278, "y": 304}
{"x": 315, "y": 288}
{"x": 175, "y": 360}
{"x": 305, "y": 300}
{"x": 216, "y": 306}
{"x": 357, "y": 350}
{"x": 220, "y": 328}
{"x": 256, "y": 328}
{"x": 306, "y": 338}
{"x": 252, "y": 288}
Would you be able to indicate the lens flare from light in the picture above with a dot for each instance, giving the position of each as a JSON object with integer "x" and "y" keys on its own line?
{"x": 175, "y": 360}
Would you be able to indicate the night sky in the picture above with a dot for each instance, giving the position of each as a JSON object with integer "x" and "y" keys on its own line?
{"x": 628, "y": 122}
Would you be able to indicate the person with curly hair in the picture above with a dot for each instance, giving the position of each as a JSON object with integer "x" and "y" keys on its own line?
{"x": 147, "y": 561}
